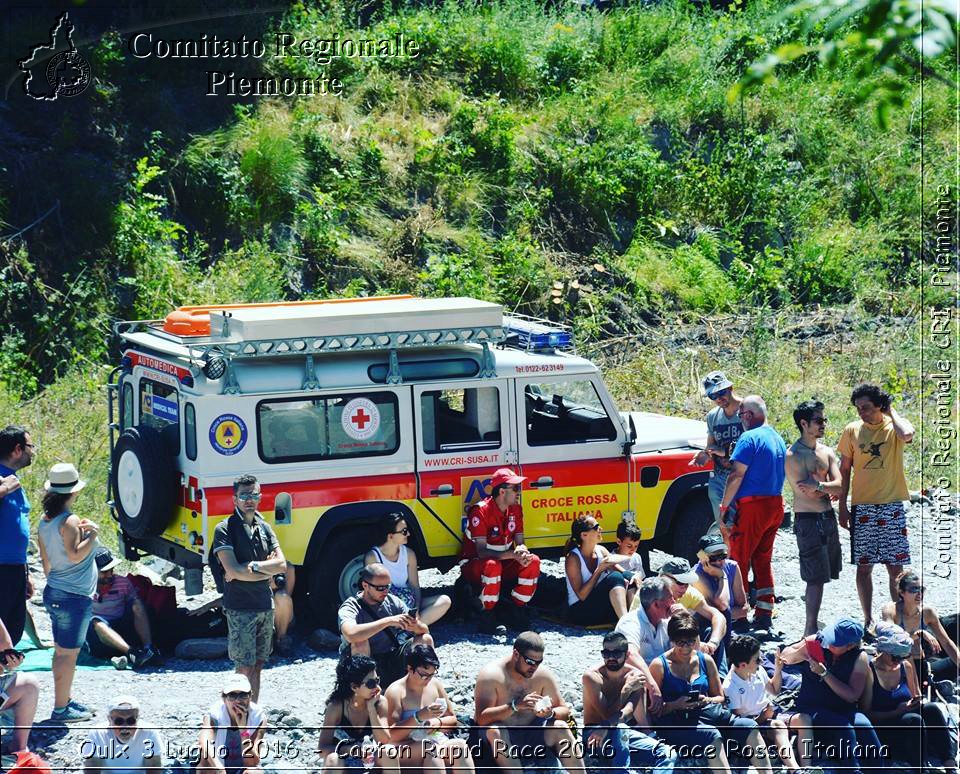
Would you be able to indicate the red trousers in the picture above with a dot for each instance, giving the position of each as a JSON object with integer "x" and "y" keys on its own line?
{"x": 751, "y": 544}
{"x": 488, "y": 573}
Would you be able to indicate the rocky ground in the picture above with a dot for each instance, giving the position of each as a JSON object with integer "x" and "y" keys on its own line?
{"x": 175, "y": 696}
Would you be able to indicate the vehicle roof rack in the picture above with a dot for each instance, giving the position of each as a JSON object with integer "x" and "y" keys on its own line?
{"x": 258, "y": 331}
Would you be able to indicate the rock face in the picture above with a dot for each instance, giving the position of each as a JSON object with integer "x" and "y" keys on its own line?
{"x": 323, "y": 640}
{"x": 205, "y": 648}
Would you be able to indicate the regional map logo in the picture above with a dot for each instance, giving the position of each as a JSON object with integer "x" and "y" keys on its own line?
{"x": 56, "y": 69}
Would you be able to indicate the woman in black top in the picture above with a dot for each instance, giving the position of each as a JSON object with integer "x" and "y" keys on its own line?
{"x": 356, "y": 711}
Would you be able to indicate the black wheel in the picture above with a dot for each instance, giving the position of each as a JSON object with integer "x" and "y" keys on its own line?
{"x": 335, "y": 575}
{"x": 144, "y": 482}
{"x": 691, "y": 522}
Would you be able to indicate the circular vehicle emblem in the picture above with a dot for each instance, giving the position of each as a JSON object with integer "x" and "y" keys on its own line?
{"x": 360, "y": 419}
{"x": 228, "y": 434}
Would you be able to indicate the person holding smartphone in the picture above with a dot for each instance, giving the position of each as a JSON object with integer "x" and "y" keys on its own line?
{"x": 893, "y": 702}
{"x": 692, "y": 717}
{"x": 421, "y": 714}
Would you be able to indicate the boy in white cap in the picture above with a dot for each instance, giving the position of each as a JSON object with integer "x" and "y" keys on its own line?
{"x": 124, "y": 747}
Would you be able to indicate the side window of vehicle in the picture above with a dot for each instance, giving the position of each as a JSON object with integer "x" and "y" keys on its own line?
{"x": 126, "y": 406}
{"x": 190, "y": 431}
{"x": 458, "y": 419}
{"x": 160, "y": 408}
{"x": 565, "y": 411}
{"x": 328, "y": 427}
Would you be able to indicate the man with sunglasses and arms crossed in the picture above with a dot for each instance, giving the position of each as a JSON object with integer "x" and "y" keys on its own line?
{"x": 616, "y": 733}
{"x": 124, "y": 747}
{"x": 493, "y": 550}
{"x": 246, "y": 548}
{"x": 379, "y": 624}
{"x": 814, "y": 475}
{"x": 520, "y": 711}
{"x": 723, "y": 430}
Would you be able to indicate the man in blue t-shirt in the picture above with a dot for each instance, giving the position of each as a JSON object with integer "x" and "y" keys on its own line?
{"x": 16, "y": 452}
{"x": 753, "y": 494}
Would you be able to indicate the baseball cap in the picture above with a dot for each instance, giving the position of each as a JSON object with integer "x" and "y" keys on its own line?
{"x": 842, "y": 632}
{"x": 105, "y": 560}
{"x": 679, "y": 569}
{"x": 712, "y": 543}
{"x": 714, "y": 382}
{"x": 505, "y": 476}
{"x": 124, "y": 702}
{"x": 236, "y": 682}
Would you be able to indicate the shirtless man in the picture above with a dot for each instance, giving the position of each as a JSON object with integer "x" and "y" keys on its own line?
{"x": 814, "y": 475}
{"x": 420, "y": 713}
{"x": 616, "y": 728}
{"x": 519, "y": 706}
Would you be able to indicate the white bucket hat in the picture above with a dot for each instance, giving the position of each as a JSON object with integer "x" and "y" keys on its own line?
{"x": 63, "y": 478}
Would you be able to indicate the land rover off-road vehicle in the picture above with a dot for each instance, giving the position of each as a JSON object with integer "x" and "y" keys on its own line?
{"x": 348, "y": 409}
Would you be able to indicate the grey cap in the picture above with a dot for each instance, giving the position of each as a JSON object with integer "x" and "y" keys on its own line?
{"x": 714, "y": 382}
{"x": 678, "y": 569}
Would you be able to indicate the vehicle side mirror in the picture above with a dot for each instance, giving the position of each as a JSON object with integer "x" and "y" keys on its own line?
{"x": 632, "y": 439}
{"x": 282, "y": 509}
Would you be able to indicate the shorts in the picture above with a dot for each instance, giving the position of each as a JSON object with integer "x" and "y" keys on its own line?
{"x": 878, "y": 534}
{"x": 69, "y": 615}
{"x": 818, "y": 540}
{"x": 249, "y": 635}
{"x": 122, "y": 626}
{"x": 13, "y": 601}
{"x": 529, "y": 740}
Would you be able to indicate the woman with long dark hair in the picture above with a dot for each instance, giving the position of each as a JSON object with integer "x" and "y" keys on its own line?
{"x": 693, "y": 715}
{"x": 391, "y": 550}
{"x": 67, "y": 548}
{"x": 596, "y": 586}
{"x": 355, "y": 723}
{"x": 934, "y": 654}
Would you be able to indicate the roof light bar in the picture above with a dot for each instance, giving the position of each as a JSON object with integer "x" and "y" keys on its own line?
{"x": 535, "y": 334}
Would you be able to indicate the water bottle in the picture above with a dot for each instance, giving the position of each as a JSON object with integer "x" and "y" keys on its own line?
{"x": 368, "y": 750}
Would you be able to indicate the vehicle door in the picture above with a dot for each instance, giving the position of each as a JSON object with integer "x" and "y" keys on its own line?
{"x": 462, "y": 437}
{"x": 570, "y": 447}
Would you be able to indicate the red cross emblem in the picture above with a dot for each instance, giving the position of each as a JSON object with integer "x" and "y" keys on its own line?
{"x": 360, "y": 419}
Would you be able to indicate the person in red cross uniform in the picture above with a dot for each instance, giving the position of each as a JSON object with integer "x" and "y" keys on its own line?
{"x": 493, "y": 551}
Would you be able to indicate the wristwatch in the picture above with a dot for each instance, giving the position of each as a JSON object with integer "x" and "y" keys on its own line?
{"x": 255, "y": 566}
{"x": 513, "y": 705}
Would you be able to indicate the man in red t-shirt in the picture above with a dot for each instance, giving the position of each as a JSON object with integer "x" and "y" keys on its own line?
{"x": 493, "y": 550}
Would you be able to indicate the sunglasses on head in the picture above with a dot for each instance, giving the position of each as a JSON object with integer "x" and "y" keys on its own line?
{"x": 128, "y": 720}
{"x": 404, "y": 531}
{"x": 612, "y": 654}
{"x": 378, "y": 586}
{"x": 531, "y": 661}
{"x": 238, "y": 695}
{"x": 371, "y": 682}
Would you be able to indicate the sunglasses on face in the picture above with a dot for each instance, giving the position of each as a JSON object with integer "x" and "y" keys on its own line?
{"x": 371, "y": 683}
{"x": 916, "y": 589}
{"x": 720, "y": 394}
{"x": 531, "y": 661}
{"x": 595, "y": 528}
{"x": 129, "y": 720}
{"x": 516, "y": 488}
{"x": 404, "y": 531}
{"x": 819, "y": 420}
{"x": 609, "y": 655}
{"x": 378, "y": 586}
{"x": 717, "y": 558}
{"x": 744, "y": 413}
{"x": 247, "y": 497}
{"x": 685, "y": 643}
{"x": 424, "y": 676}
{"x": 238, "y": 695}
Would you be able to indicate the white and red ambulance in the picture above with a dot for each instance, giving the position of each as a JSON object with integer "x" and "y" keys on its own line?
{"x": 347, "y": 409}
